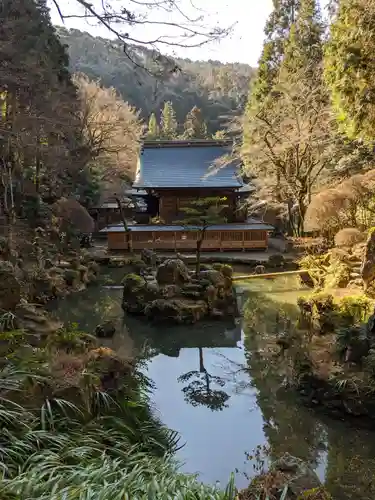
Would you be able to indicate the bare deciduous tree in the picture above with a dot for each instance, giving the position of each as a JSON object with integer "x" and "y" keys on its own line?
{"x": 111, "y": 130}
{"x": 291, "y": 142}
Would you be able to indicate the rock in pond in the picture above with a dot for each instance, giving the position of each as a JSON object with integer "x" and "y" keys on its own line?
{"x": 172, "y": 272}
{"x": 105, "y": 330}
{"x": 138, "y": 293}
{"x": 174, "y": 294}
{"x": 177, "y": 311}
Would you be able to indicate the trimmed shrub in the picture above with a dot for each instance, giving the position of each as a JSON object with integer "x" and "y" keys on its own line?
{"x": 348, "y": 237}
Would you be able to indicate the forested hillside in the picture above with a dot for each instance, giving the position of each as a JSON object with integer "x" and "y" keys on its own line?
{"x": 218, "y": 90}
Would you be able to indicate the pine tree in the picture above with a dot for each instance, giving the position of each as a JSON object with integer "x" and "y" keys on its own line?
{"x": 153, "y": 131}
{"x": 350, "y": 68}
{"x": 194, "y": 126}
{"x": 168, "y": 122}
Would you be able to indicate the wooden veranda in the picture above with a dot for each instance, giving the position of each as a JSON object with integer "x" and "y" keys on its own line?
{"x": 230, "y": 237}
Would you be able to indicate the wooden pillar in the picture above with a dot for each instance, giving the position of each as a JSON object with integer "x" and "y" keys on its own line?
{"x": 243, "y": 241}
{"x": 175, "y": 241}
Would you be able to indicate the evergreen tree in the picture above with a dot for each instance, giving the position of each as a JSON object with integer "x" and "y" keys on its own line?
{"x": 168, "y": 122}
{"x": 153, "y": 131}
{"x": 40, "y": 137}
{"x": 277, "y": 32}
{"x": 304, "y": 47}
{"x": 350, "y": 68}
{"x": 194, "y": 126}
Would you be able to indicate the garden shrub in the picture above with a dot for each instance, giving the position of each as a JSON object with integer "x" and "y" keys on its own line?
{"x": 349, "y": 237}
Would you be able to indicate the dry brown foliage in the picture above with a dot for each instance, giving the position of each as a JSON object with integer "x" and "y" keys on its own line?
{"x": 350, "y": 204}
{"x": 72, "y": 212}
{"x": 111, "y": 128}
{"x": 348, "y": 237}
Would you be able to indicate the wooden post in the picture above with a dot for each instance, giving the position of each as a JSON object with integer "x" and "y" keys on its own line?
{"x": 243, "y": 241}
{"x": 175, "y": 241}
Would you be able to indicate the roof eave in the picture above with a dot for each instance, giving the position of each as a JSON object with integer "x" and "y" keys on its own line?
{"x": 142, "y": 186}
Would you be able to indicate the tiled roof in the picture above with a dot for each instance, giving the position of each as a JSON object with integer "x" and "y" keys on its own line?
{"x": 186, "y": 167}
{"x": 222, "y": 227}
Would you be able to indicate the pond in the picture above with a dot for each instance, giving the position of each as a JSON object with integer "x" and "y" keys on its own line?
{"x": 214, "y": 387}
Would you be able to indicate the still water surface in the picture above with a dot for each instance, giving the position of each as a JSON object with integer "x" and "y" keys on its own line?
{"x": 213, "y": 386}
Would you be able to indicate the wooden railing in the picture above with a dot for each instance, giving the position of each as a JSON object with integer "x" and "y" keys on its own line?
{"x": 187, "y": 240}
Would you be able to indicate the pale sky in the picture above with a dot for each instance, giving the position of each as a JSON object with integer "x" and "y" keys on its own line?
{"x": 244, "y": 45}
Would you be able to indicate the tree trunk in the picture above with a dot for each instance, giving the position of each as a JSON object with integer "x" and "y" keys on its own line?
{"x": 202, "y": 369}
{"x": 302, "y": 213}
{"x": 198, "y": 253}
{"x": 37, "y": 176}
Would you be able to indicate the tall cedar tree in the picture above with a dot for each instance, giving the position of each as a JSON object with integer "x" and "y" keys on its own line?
{"x": 153, "y": 130}
{"x": 168, "y": 125}
{"x": 40, "y": 139}
{"x": 350, "y": 68}
{"x": 277, "y": 32}
{"x": 291, "y": 134}
{"x": 304, "y": 48}
{"x": 195, "y": 127}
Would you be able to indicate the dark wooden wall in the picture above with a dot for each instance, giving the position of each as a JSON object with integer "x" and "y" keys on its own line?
{"x": 171, "y": 201}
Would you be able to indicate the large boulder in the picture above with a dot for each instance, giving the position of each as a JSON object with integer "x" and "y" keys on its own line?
{"x": 10, "y": 287}
{"x": 35, "y": 320}
{"x": 213, "y": 276}
{"x": 105, "y": 330}
{"x": 138, "y": 293}
{"x": 176, "y": 311}
{"x": 172, "y": 272}
{"x": 150, "y": 257}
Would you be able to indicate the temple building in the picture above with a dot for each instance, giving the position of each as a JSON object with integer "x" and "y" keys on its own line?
{"x": 172, "y": 174}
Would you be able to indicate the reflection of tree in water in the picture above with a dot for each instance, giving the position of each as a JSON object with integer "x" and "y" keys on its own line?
{"x": 287, "y": 426}
{"x": 290, "y": 427}
{"x": 350, "y": 473}
{"x": 199, "y": 390}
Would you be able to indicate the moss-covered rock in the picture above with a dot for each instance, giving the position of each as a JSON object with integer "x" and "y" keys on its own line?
{"x": 276, "y": 261}
{"x": 72, "y": 277}
{"x": 138, "y": 293}
{"x": 173, "y": 272}
{"x": 105, "y": 330}
{"x": 181, "y": 311}
{"x": 338, "y": 275}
